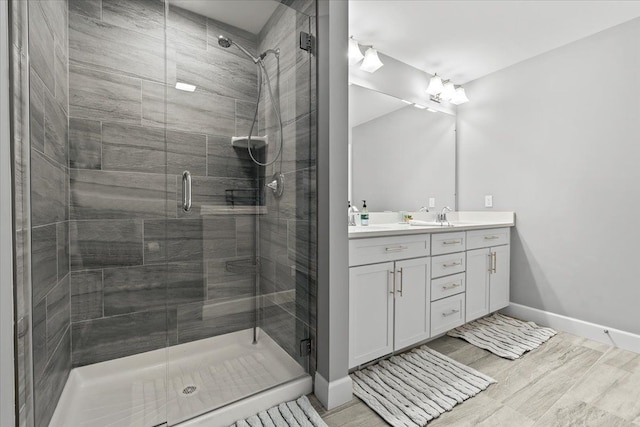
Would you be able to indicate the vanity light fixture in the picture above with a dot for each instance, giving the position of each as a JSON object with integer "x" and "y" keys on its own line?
{"x": 185, "y": 87}
{"x": 355, "y": 54}
{"x": 435, "y": 85}
{"x": 371, "y": 62}
{"x": 460, "y": 97}
{"x": 445, "y": 91}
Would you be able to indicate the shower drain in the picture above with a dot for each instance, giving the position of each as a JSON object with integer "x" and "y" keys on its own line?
{"x": 190, "y": 389}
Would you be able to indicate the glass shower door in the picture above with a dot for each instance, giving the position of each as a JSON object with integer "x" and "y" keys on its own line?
{"x": 239, "y": 116}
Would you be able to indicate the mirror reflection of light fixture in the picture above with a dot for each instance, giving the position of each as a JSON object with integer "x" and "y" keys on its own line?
{"x": 420, "y": 107}
{"x": 355, "y": 54}
{"x": 371, "y": 62}
{"x": 449, "y": 91}
{"x": 435, "y": 85}
{"x": 460, "y": 97}
{"x": 445, "y": 91}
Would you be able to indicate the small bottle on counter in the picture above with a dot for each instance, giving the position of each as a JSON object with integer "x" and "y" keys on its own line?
{"x": 364, "y": 215}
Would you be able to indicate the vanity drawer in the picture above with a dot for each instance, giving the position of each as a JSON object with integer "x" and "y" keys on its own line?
{"x": 381, "y": 249}
{"x": 446, "y": 314}
{"x": 447, "y": 243}
{"x": 447, "y": 286}
{"x": 445, "y": 265}
{"x": 486, "y": 238}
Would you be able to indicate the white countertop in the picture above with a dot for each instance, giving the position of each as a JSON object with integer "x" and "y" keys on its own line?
{"x": 383, "y": 224}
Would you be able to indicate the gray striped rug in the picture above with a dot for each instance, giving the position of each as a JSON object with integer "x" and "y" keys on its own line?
{"x": 297, "y": 413}
{"x": 413, "y": 388}
{"x": 502, "y": 335}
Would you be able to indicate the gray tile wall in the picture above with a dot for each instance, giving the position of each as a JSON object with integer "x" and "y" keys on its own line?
{"x": 145, "y": 274}
{"x": 49, "y": 204}
{"x": 288, "y": 230}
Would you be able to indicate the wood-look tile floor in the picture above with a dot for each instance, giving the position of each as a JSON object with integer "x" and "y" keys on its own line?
{"x": 568, "y": 381}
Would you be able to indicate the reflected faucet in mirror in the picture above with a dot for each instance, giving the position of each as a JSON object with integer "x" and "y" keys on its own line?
{"x": 353, "y": 212}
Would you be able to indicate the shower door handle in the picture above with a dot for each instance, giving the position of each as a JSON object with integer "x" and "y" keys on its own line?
{"x": 186, "y": 191}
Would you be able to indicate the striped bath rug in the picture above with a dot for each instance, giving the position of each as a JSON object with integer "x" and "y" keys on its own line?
{"x": 415, "y": 387}
{"x": 503, "y": 336}
{"x": 297, "y": 413}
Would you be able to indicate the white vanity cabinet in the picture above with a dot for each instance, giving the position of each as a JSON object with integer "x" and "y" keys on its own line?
{"x": 488, "y": 265}
{"x": 388, "y": 301}
{"x": 405, "y": 289}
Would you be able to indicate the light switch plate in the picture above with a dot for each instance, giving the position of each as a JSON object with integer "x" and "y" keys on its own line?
{"x": 432, "y": 202}
{"x": 488, "y": 201}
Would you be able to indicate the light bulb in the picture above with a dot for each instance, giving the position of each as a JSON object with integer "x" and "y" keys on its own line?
{"x": 435, "y": 85}
{"x": 448, "y": 92}
{"x": 355, "y": 54}
{"x": 460, "y": 97}
{"x": 371, "y": 62}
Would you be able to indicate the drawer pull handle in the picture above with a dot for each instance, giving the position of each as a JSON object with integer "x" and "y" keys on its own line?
{"x": 453, "y": 264}
{"x": 450, "y": 313}
{"x": 451, "y": 286}
{"x": 396, "y": 248}
{"x": 491, "y": 237}
{"x": 452, "y": 242}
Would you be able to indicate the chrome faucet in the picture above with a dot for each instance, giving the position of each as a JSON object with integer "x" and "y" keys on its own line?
{"x": 353, "y": 212}
{"x": 442, "y": 216}
{"x": 423, "y": 209}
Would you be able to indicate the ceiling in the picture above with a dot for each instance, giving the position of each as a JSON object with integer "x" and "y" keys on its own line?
{"x": 465, "y": 40}
{"x": 250, "y": 15}
{"x": 366, "y": 104}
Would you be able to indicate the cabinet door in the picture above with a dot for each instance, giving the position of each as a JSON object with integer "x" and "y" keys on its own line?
{"x": 499, "y": 281}
{"x": 412, "y": 302}
{"x": 370, "y": 312}
{"x": 477, "y": 298}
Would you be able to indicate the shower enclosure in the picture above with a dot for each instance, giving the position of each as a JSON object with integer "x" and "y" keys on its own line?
{"x": 165, "y": 205}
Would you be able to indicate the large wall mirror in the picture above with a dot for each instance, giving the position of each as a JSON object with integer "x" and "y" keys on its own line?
{"x": 401, "y": 156}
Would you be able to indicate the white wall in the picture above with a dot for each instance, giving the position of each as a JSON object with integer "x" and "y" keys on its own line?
{"x": 557, "y": 139}
{"x": 7, "y": 395}
{"x": 402, "y": 159}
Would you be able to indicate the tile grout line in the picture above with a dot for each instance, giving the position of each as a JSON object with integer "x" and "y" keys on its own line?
{"x": 574, "y": 384}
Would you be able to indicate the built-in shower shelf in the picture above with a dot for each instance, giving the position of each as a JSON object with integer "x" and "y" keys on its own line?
{"x": 243, "y": 141}
{"x": 232, "y": 210}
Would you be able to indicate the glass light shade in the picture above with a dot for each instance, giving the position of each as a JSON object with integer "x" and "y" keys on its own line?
{"x": 355, "y": 54}
{"x": 371, "y": 62}
{"x": 448, "y": 92}
{"x": 460, "y": 97}
{"x": 435, "y": 85}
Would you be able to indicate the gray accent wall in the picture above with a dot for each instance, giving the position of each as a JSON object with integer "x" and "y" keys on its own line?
{"x": 288, "y": 267}
{"x": 144, "y": 273}
{"x": 49, "y": 294}
{"x": 554, "y": 138}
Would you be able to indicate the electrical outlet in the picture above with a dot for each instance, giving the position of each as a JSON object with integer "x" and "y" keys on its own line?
{"x": 488, "y": 201}
{"x": 432, "y": 202}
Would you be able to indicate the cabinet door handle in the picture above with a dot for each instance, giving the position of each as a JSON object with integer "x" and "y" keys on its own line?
{"x": 452, "y": 242}
{"x": 449, "y": 313}
{"x": 401, "y": 281}
{"x": 453, "y": 264}
{"x": 491, "y": 237}
{"x": 451, "y": 286}
{"x": 393, "y": 273}
{"x": 490, "y": 255}
{"x": 494, "y": 257}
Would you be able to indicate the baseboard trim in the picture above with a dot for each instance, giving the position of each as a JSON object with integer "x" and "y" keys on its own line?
{"x": 615, "y": 337}
{"x": 335, "y": 393}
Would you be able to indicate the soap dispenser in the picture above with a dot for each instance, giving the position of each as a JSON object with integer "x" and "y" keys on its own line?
{"x": 364, "y": 215}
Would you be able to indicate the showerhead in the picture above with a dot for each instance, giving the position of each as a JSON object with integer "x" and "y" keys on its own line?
{"x": 225, "y": 42}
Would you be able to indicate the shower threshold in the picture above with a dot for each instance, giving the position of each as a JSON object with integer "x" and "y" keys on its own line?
{"x": 181, "y": 382}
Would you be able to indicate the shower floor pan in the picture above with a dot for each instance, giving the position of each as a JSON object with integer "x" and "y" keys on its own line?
{"x": 181, "y": 382}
